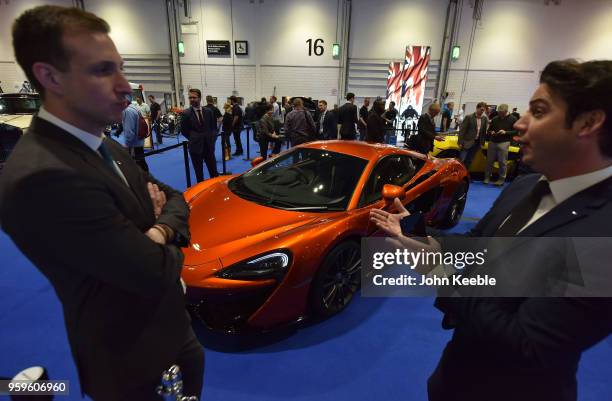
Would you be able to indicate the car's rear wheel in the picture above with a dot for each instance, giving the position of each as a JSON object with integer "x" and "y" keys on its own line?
{"x": 337, "y": 280}
{"x": 456, "y": 206}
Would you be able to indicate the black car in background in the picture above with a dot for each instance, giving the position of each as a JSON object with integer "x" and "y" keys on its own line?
{"x": 16, "y": 112}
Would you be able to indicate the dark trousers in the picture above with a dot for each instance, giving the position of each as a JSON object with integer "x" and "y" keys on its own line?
{"x": 204, "y": 155}
{"x": 237, "y": 132}
{"x": 191, "y": 362}
{"x": 158, "y": 133}
{"x": 225, "y": 142}
{"x": 138, "y": 156}
{"x": 264, "y": 144}
{"x": 467, "y": 155}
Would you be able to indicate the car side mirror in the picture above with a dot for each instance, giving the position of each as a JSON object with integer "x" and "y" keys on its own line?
{"x": 390, "y": 192}
{"x": 256, "y": 161}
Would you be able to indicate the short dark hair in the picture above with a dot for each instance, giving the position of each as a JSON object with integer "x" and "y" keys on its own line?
{"x": 151, "y": 96}
{"x": 481, "y": 104}
{"x": 196, "y": 91}
{"x": 392, "y": 103}
{"x": 233, "y": 99}
{"x": 37, "y": 36}
{"x": 350, "y": 96}
{"x": 323, "y": 101}
{"x": 583, "y": 87}
{"x": 209, "y": 99}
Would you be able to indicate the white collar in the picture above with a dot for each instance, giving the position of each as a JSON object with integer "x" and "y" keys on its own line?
{"x": 565, "y": 188}
{"x": 93, "y": 142}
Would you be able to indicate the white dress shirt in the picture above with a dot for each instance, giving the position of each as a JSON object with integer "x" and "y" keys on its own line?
{"x": 90, "y": 140}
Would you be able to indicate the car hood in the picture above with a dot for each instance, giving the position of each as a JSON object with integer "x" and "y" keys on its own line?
{"x": 221, "y": 219}
{"x": 20, "y": 120}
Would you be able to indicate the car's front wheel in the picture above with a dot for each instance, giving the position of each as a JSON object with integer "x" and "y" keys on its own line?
{"x": 456, "y": 206}
{"x": 337, "y": 280}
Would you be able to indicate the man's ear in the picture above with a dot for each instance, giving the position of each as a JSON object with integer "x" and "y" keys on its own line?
{"x": 590, "y": 122}
{"x": 49, "y": 77}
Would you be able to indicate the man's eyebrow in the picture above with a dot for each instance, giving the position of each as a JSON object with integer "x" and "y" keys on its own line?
{"x": 539, "y": 100}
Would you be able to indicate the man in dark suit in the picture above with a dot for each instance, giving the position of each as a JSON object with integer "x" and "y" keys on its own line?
{"x": 105, "y": 233}
{"x": 526, "y": 348}
{"x": 347, "y": 118}
{"x": 326, "y": 122}
{"x": 198, "y": 124}
{"x": 472, "y": 133}
{"x": 423, "y": 141}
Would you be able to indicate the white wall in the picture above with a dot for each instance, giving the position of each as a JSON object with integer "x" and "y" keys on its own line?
{"x": 382, "y": 29}
{"x": 517, "y": 38}
{"x": 277, "y": 31}
{"x": 137, "y": 26}
{"x": 11, "y": 74}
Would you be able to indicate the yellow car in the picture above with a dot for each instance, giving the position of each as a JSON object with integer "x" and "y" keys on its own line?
{"x": 449, "y": 148}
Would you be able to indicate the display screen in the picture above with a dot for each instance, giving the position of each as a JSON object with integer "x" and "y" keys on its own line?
{"x": 406, "y": 80}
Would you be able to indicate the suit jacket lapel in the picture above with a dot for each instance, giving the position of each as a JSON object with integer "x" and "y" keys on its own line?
{"x": 73, "y": 144}
{"x": 576, "y": 207}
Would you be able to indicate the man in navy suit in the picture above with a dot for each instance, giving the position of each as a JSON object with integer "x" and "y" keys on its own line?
{"x": 199, "y": 126}
{"x": 526, "y": 348}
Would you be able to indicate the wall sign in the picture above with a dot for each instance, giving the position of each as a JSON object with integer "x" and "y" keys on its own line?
{"x": 218, "y": 48}
{"x": 241, "y": 48}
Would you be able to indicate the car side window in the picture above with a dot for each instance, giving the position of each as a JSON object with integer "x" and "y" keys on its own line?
{"x": 394, "y": 170}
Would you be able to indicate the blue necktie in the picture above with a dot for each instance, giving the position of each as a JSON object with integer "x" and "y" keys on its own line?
{"x": 108, "y": 158}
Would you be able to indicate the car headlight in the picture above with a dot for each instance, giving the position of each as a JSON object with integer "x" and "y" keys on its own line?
{"x": 269, "y": 265}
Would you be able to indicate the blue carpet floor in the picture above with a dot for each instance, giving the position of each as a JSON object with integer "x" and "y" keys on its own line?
{"x": 377, "y": 349}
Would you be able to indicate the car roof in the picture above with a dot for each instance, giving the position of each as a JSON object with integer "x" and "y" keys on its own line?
{"x": 360, "y": 149}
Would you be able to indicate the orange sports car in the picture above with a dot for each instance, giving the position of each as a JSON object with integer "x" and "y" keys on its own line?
{"x": 282, "y": 241}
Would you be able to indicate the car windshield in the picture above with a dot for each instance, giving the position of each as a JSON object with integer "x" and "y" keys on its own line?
{"x": 19, "y": 105}
{"x": 303, "y": 179}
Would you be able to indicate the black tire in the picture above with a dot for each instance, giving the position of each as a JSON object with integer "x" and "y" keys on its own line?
{"x": 456, "y": 207}
{"x": 337, "y": 280}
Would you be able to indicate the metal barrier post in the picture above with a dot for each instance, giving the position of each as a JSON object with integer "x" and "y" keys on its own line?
{"x": 248, "y": 143}
{"x": 186, "y": 158}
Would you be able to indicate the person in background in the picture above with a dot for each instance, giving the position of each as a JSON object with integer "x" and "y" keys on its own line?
{"x": 155, "y": 117}
{"x": 299, "y": 125}
{"x": 267, "y": 133}
{"x": 500, "y": 135}
{"x": 347, "y": 118}
{"x": 376, "y": 123}
{"x": 106, "y": 234}
{"x": 326, "y": 122}
{"x": 237, "y": 125}
{"x": 144, "y": 108}
{"x": 210, "y": 104}
{"x": 363, "y": 119}
{"x": 133, "y": 142}
{"x": 447, "y": 116}
{"x": 390, "y": 115}
{"x": 515, "y": 114}
{"x": 198, "y": 125}
{"x": 276, "y": 115}
{"x": 422, "y": 142}
{"x": 460, "y": 116}
{"x": 472, "y": 133}
{"x": 261, "y": 108}
{"x": 226, "y": 126}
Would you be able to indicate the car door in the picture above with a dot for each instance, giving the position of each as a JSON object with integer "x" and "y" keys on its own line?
{"x": 395, "y": 170}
